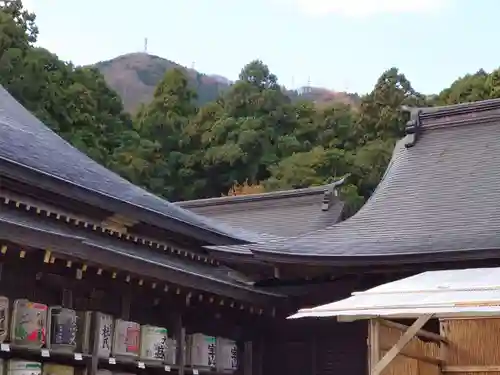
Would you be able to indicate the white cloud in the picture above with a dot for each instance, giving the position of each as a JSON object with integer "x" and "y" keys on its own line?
{"x": 367, "y": 8}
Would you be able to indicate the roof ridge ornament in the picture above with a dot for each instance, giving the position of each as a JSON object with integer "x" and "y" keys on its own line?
{"x": 331, "y": 192}
{"x": 413, "y": 126}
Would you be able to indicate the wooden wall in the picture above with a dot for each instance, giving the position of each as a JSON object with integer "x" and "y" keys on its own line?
{"x": 474, "y": 346}
{"x": 473, "y": 349}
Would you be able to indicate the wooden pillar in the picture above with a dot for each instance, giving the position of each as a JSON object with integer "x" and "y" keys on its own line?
{"x": 94, "y": 365}
{"x": 180, "y": 337}
{"x": 126, "y": 302}
{"x": 67, "y": 298}
{"x": 248, "y": 358}
{"x": 258, "y": 356}
{"x": 373, "y": 344}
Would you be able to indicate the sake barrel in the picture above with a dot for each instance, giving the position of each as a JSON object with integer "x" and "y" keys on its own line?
{"x": 226, "y": 354}
{"x": 153, "y": 343}
{"x": 28, "y": 326}
{"x": 62, "y": 329}
{"x": 103, "y": 332}
{"x": 126, "y": 341}
{"x": 20, "y": 367}
{"x": 56, "y": 369}
{"x": 4, "y": 318}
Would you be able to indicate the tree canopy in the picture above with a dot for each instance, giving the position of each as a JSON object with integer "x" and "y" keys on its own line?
{"x": 252, "y": 139}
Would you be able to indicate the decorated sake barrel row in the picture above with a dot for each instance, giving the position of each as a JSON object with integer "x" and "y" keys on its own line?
{"x": 211, "y": 352}
{"x": 36, "y": 325}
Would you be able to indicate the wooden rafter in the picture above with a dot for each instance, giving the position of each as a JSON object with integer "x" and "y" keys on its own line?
{"x": 421, "y": 333}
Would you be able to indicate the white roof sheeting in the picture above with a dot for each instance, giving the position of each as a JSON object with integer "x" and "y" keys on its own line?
{"x": 452, "y": 293}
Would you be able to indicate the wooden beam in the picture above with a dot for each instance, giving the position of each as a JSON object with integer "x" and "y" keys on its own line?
{"x": 73, "y": 248}
{"x": 402, "y": 342}
{"x": 434, "y": 337}
{"x": 463, "y": 369}
{"x": 374, "y": 344}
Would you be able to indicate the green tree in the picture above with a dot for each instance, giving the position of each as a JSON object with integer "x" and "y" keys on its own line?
{"x": 471, "y": 87}
{"x": 165, "y": 121}
{"x": 17, "y": 26}
{"x": 255, "y": 115}
{"x": 74, "y": 102}
{"x": 381, "y": 114}
{"x": 315, "y": 167}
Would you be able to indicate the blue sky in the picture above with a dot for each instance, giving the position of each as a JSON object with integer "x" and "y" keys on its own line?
{"x": 341, "y": 45}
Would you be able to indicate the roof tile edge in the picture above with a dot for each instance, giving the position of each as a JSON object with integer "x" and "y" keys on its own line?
{"x": 484, "y": 111}
{"x": 279, "y": 194}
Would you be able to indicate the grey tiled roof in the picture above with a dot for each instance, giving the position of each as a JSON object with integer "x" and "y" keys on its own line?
{"x": 273, "y": 215}
{"x": 197, "y": 275}
{"x": 438, "y": 199}
{"x": 27, "y": 142}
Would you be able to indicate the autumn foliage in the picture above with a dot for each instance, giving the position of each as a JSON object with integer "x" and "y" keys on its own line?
{"x": 245, "y": 189}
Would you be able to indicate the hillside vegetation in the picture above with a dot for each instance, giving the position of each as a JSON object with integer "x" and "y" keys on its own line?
{"x": 253, "y": 134}
{"x": 135, "y": 76}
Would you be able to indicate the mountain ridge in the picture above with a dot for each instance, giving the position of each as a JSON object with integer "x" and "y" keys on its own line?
{"x": 134, "y": 77}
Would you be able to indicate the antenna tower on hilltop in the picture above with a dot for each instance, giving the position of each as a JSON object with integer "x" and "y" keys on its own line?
{"x": 145, "y": 45}
{"x": 308, "y": 89}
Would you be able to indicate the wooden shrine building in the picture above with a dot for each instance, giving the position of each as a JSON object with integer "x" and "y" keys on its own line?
{"x": 77, "y": 236}
{"x": 74, "y": 234}
{"x": 437, "y": 207}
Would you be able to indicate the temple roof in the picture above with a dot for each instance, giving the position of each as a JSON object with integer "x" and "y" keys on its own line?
{"x": 34, "y": 154}
{"x": 439, "y": 199}
{"x": 276, "y": 214}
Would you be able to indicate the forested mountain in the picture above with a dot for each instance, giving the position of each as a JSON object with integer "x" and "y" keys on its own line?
{"x": 135, "y": 76}
{"x": 253, "y": 132}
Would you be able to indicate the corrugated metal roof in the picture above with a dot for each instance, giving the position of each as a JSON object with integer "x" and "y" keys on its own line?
{"x": 451, "y": 293}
